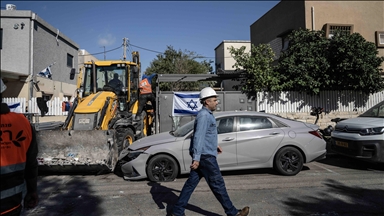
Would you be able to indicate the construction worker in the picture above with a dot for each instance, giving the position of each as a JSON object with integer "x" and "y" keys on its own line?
{"x": 146, "y": 94}
{"x": 18, "y": 161}
{"x": 115, "y": 83}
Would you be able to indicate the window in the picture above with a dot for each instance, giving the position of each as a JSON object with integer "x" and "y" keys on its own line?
{"x": 380, "y": 38}
{"x": 218, "y": 67}
{"x": 285, "y": 43}
{"x": 330, "y": 29}
{"x": 284, "y": 39}
{"x": 224, "y": 125}
{"x": 70, "y": 60}
{"x": 254, "y": 123}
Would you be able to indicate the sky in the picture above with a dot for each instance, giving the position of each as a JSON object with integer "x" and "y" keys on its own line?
{"x": 149, "y": 26}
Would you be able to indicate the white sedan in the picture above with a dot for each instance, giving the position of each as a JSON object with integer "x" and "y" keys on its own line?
{"x": 249, "y": 140}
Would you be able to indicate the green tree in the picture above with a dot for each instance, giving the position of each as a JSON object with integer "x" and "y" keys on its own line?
{"x": 304, "y": 65}
{"x": 258, "y": 70}
{"x": 345, "y": 62}
{"x": 178, "y": 62}
{"x": 354, "y": 64}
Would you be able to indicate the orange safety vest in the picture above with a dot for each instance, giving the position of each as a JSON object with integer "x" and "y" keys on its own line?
{"x": 15, "y": 139}
{"x": 145, "y": 87}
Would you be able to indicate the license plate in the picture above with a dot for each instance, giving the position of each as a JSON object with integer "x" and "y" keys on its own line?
{"x": 84, "y": 121}
{"x": 342, "y": 144}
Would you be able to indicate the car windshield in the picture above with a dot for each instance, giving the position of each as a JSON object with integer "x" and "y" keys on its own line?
{"x": 183, "y": 130}
{"x": 376, "y": 111}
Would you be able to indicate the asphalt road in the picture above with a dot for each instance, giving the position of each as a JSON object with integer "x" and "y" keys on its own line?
{"x": 334, "y": 186}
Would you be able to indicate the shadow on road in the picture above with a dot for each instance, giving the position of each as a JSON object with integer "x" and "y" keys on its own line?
{"x": 161, "y": 194}
{"x": 59, "y": 196}
{"x": 351, "y": 163}
{"x": 259, "y": 171}
{"x": 338, "y": 200}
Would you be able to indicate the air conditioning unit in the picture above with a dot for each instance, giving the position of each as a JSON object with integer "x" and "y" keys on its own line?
{"x": 10, "y": 7}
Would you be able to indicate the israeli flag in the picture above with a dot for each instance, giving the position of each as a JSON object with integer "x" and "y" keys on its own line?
{"x": 46, "y": 72}
{"x": 186, "y": 104}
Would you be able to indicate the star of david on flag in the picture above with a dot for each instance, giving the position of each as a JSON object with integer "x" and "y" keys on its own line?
{"x": 46, "y": 72}
{"x": 186, "y": 103}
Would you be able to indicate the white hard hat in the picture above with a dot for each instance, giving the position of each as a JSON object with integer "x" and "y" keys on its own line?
{"x": 2, "y": 86}
{"x": 207, "y": 92}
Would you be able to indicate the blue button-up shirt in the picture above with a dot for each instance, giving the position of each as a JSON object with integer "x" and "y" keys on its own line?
{"x": 204, "y": 140}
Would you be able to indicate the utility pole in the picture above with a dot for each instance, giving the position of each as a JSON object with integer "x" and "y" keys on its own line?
{"x": 125, "y": 48}
{"x": 104, "y": 52}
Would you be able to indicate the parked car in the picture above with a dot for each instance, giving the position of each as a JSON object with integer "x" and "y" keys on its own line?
{"x": 361, "y": 137}
{"x": 249, "y": 140}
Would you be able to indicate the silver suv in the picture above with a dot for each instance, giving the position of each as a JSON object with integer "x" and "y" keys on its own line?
{"x": 361, "y": 137}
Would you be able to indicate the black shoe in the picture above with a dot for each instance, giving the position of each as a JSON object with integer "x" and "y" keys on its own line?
{"x": 244, "y": 212}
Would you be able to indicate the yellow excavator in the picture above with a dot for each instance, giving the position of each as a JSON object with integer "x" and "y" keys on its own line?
{"x": 100, "y": 122}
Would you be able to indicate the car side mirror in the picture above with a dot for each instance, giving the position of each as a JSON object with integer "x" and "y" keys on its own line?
{"x": 72, "y": 74}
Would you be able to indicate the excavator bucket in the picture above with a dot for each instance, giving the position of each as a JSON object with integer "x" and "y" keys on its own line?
{"x": 77, "y": 151}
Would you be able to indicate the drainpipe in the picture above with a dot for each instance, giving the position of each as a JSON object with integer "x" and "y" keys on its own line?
{"x": 31, "y": 56}
{"x": 313, "y": 18}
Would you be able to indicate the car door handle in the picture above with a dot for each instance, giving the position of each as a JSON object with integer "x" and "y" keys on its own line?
{"x": 228, "y": 139}
{"x": 274, "y": 133}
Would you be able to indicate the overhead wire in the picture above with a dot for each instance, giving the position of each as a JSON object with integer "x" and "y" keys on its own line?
{"x": 146, "y": 49}
{"x": 163, "y": 53}
{"x": 103, "y": 51}
{"x": 129, "y": 49}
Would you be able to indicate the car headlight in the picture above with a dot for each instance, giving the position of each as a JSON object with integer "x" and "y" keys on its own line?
{"x": 134, "y": 154}
{"x": 372, "y": 131}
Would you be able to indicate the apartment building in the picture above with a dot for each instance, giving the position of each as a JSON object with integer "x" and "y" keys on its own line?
{"x": 224, "y": 61}
{"x": 29, "y": 45}
{"x": 364, "y": 17}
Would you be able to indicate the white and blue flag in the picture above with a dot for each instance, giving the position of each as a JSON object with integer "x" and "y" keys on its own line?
{"x": 186, "y": 104}
{"x": 46, "y": 72}
{"x": 15, "y": 107}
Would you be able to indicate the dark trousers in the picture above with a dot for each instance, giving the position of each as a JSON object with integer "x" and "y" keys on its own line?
{"x": 143, "y": 99}
{"x": 209, "y": 169}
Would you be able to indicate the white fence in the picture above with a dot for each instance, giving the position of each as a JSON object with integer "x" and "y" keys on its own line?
{"x": 21, "y": 105}
{"x": 275, "y": 102}
{"x": 331, "y": 101}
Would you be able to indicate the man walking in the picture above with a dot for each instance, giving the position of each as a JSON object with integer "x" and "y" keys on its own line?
{"x": 18, "y": 161}
{"x": 204, "y": 149}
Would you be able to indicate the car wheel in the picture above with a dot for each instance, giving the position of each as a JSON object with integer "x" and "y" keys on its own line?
{"x": 162, "y": 168}
{"x": 125, "y": 138}
{"x": 288, "y": 161}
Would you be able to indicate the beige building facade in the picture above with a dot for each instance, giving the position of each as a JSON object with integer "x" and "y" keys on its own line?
{"x": 364, "y": 17}
{"x": 224, "y": 61}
